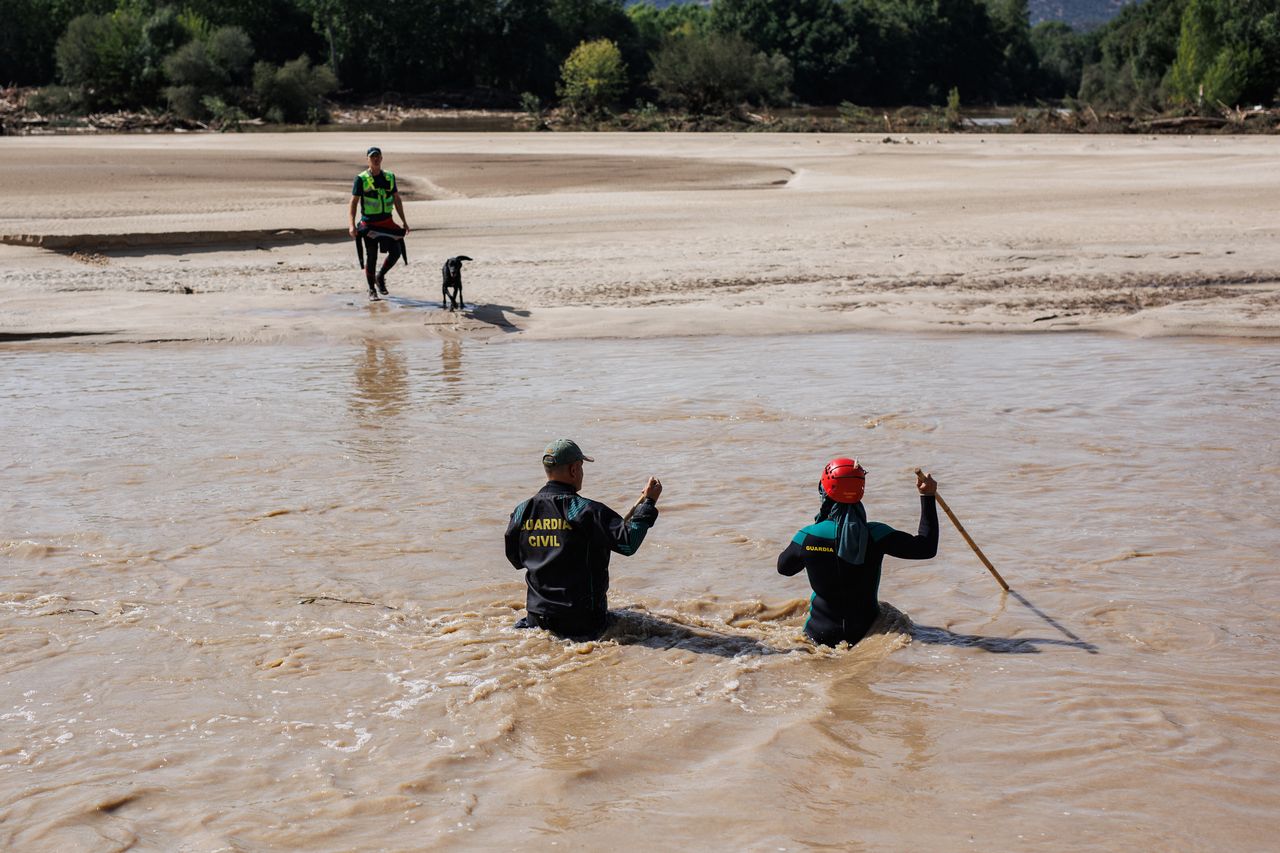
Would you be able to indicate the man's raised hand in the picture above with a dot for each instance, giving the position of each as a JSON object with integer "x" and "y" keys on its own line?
{"x": 652, "y": 489}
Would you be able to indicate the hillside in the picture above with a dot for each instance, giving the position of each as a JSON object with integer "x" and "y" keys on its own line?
{"x": 1081, "y": 14}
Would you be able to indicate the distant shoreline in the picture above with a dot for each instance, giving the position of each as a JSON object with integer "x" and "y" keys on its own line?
{"x": 407, "y": 115}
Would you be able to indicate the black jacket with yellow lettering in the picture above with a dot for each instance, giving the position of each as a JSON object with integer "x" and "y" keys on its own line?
{"x": 564, "y": 541}
{"x": 846, "y": 596}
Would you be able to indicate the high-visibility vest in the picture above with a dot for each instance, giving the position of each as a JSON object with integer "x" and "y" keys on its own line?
{"x": 376, "y": 201}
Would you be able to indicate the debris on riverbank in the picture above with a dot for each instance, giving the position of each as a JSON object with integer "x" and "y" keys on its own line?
{"x": 489, "y": 112}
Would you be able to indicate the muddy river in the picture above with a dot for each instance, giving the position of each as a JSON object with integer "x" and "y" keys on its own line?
{"x": 255, "y": 598}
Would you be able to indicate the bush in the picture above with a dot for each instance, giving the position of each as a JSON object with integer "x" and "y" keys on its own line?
{"x": 224, "y": 116}
{"x": 293, "y": 93}
{"x": 952, "y": 115}
{"x": 592, "y": 77}
{"x": 210, "y": 65}
{"x": 715, "y": 73}
{"x": 531, "y": 104}
{"x": 102, "y": 59}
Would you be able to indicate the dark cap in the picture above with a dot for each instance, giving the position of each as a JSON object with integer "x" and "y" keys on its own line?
{"x": 562, "y": 451}
{"x": 373, "y": 149}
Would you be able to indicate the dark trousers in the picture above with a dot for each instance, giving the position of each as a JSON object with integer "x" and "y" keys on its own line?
{"x": 371, "y": 245}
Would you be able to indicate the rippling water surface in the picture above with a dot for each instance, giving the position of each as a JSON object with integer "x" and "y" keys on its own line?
{"x": 255, "y": 598}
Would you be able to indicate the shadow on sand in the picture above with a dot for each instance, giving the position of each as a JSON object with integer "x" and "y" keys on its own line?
{"x": 17, "y": 337}
{"x": 494, "y": 315}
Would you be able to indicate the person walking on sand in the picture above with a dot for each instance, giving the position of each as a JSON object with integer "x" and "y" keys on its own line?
{"x": 563, "y": 542}
{"x": 376, "y": 194}
{"x": 842, "y": 553}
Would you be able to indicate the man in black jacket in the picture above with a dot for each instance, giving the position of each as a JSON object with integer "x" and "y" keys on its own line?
{"x": 564, "y": 540}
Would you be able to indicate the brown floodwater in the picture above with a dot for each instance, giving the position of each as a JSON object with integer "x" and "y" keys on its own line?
{"x": 254, "y": 597}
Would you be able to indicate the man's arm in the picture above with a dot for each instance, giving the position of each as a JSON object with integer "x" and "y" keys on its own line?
{"x": 395, "y": 197}
{"x": 351, "y": 215}
{"x": 922, "y": 546}
{"x": 512, "y": 536}
{"x": 791, "y": 560}
{"x": 624, "y": 535}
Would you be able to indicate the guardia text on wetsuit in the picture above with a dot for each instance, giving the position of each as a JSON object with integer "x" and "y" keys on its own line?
{"x": 564, "y": 541}
{"x": 846, "y": 596}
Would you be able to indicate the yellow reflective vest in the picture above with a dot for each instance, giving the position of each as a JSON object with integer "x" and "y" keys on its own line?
{"x": 376, "y": 201}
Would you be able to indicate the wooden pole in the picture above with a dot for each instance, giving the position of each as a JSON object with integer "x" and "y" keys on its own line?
{"x": 626, "y": 518}
{"x": 960, "y": 527}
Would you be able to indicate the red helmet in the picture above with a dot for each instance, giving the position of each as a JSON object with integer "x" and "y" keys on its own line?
{"x": 844, "y": 480}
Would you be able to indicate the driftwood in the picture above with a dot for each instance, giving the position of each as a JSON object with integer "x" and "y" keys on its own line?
{"x": 1186, "y": 123}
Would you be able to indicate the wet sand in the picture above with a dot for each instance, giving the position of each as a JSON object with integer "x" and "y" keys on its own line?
{"x": 242, "y": 237}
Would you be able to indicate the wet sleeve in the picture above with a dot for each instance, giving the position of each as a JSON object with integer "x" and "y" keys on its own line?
{"x": 791, "y": 560}
{"x": 512, "y": 536}
{"x": 924, "y": 544}
{"x": 623, "y": 535}
{"x": 355, "y": 186}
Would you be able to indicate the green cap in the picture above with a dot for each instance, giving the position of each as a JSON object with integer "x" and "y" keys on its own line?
{"x": 562, "y": 451}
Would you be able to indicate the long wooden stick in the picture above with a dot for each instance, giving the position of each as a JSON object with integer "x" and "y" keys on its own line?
{"x": 626, "y": 518}
{"x": 960, "y": 527}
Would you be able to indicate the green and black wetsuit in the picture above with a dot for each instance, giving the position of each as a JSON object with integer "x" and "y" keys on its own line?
{"x": 846, "y": 595}
{"x": 564, "y": 540}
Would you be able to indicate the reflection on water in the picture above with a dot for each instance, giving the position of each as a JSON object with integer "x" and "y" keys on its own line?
{"x": 382, "y": 382}
{"x": 451, "y": 370}
{"x": 380, "y": 394}
{"x": 275, "y": 575}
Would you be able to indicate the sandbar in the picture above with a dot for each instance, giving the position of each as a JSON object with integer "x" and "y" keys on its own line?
{"x": 242, "y": 237}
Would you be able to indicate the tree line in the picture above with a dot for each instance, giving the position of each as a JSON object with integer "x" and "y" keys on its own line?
{"x": 281, "y": 58}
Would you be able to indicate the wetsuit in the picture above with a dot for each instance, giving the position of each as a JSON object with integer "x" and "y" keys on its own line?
{"x": 377, "y": 228}
{"x": 564, "y": 541}
{"x": 846, "y": 596}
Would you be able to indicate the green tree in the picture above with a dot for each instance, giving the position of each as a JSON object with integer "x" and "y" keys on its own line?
{"x": 935, "y": 45}
{"x": 103, "y": 60}
{"x": 714, "y": 73}
{"x": 213, "y": 64}
{"x": 414, "y": 46}
{"x": 576, "y": 21}
{"x": 592, "y": 77}
{"x": 1133, "y": 53}
{"x": 29, "y": 37}
{"x": 293, "y": 92}
{"x": 655, "y": 25}
{"x": 1011, "y": 22}
{"x": 278, "y": 29}
{"x": 1222, "y": 52}
{"x": 522, "y": 57}
{"x": 1060, "y": 57}
{"x": 821, "y": 38}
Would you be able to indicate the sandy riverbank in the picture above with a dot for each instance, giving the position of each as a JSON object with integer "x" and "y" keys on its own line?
{"x": 242, "y": 237}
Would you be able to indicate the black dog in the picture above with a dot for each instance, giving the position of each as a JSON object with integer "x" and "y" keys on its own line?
{"x": 451, "y": 286}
